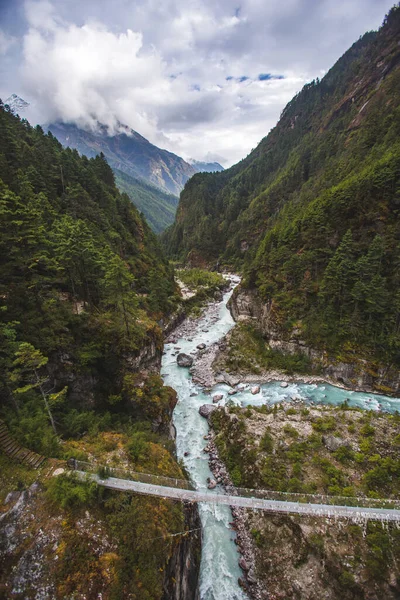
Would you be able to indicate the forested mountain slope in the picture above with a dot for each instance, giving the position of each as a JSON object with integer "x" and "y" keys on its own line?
{"x": 83, "y": 287}
{"x": 158, "y": 207}
{"x": 313, "y": 212}
{"x": 82, "y": 277}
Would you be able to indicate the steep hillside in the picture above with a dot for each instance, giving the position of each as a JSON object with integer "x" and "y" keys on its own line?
{"x": 313, "y": 212}
{"x": 158, "y": 207}
{"x": 84, "y": 288}
{"x": 129, "y": 152}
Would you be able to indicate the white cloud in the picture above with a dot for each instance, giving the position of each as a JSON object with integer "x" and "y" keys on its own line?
{"x": 163, "y": 68}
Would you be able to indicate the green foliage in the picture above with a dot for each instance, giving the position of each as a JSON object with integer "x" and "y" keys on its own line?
{"x": 324, "y": 424}
{"x": 196, "y": 278}
{"x": 83, "y": 287}
{"x": 367, "y": 430}
{"x": 69, "y": 492}
{"x": 157, "y": 206}
{"x": 291, "y": 431}
{"x": 267, "y": 442}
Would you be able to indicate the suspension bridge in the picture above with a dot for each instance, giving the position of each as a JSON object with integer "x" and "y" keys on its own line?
{"x": 355, "y": 509}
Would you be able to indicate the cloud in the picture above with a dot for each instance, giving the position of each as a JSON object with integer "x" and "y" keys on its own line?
{"x": 195, "y": 77}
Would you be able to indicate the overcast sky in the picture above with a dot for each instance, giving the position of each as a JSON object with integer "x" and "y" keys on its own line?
{"x": 203, "y": 78}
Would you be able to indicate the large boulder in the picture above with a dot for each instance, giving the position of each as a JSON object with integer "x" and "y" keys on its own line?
{"x": 217, "y": 398}
{"x": 333, "y": 443}
{"x": 184, "y": 360}
{"x": 206, "y": 410}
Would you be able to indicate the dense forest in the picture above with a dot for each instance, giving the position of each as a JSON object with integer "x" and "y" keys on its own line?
{"x": 84, "y": 289}
{"x": 312, "y": 214}
{"x": 158, "y": 207}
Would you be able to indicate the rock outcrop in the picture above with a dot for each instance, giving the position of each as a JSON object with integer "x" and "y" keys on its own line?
{"x": 246, "y": 305}
{"x": 206, "y": 410}
{"x": 182, "y": 572}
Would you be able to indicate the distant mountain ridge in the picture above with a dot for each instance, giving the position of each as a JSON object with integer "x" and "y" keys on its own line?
{"x": 206, "y": 167}
{"x": 152, "y": 177}
{"x": 131, "y": 154}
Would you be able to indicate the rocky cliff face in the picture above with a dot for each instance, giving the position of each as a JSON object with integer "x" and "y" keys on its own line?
{"x": 356, "y": 373}
{"x": 182, "y": 573}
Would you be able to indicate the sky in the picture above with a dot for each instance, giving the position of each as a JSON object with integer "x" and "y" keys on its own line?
{"x": 206, "y": 79}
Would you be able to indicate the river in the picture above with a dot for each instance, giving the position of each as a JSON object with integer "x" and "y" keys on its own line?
{"x": 219, "y": 570}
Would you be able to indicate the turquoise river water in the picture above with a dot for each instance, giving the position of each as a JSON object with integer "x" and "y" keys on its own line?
{"x": 220, "y": 571}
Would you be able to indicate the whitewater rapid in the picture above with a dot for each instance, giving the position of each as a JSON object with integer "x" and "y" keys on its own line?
{"x": 220, "y": 571}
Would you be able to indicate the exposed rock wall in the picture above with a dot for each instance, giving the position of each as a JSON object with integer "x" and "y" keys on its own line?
{"x": 357, "y": 374}
{"x": 182, "y": 573}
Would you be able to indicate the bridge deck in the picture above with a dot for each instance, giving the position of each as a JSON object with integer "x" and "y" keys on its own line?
{"x": 320, "y": 510}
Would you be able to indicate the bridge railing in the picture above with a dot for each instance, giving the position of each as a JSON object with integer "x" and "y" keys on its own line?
{"x": 107, "y": 471}
{"x": 358, "y": 501}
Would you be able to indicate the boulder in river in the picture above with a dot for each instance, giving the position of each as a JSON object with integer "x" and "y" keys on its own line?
{"x": 201, "y": 346}
{"x": 212, "y": 484}
{"x": 184, "y": 360}
{"x": 206, "y": 410}
{"x": 243, "y": 564}
{"x": 255, "y": 389}
{"x": 284, "y": 384}
{"x": 217, "y": 398}
{"x": 232, "y": 392}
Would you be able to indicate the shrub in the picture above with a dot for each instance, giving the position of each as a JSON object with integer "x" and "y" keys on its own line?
{"x": 267, "y": 442}
{"x": 324, "y": 424}
{"x": 291, "y": 431}
{"x": 367, "y": 430}
{"x": 69, "y": 492}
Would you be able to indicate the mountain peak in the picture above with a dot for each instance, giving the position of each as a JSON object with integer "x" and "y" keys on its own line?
{"x": 205, "y": 167}
{"x": 16, "y": 103}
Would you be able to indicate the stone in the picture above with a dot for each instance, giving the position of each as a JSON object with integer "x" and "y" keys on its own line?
{"x": 255, "y": 390}
{"x": 251, "y": 576}
{"x": 212, "y": 484}
{"x": 184, "y": 360}
{"x": 217, "y": 398}
{"x": 231, "y": 380}
{"x": 243, "y": 564}
{"x": 186, "y": 453}
{"x": 232, "y": 392}
{"x": 201, "y": 346}
{"x": 206, "y": 409}
{"x": 284, "y": 384}
{"x": 333, "y": 443}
